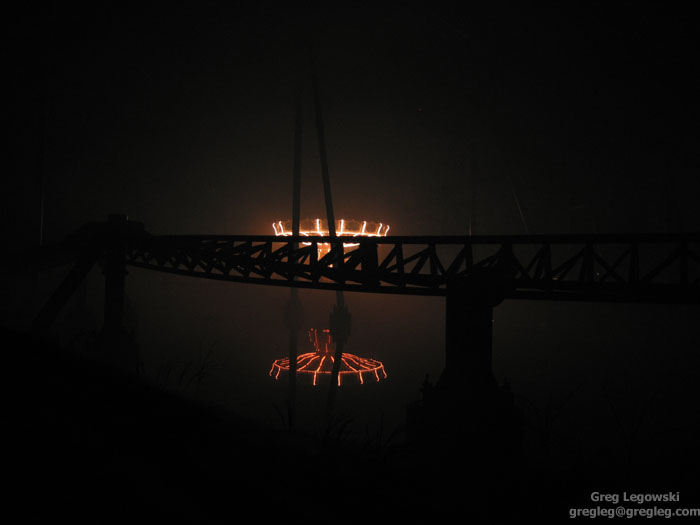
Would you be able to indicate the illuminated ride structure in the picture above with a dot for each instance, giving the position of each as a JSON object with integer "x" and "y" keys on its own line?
{"x": 343, "y": 228}
{"x": 336, "y": 364}
{"x": 320, "y": 362}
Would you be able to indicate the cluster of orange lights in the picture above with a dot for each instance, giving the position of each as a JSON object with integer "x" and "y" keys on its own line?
{"x": 321, "y": 361}
{"x": 319, "y": 228}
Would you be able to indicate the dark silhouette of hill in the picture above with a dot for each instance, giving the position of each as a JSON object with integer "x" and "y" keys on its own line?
{"x": 89, "y": 444}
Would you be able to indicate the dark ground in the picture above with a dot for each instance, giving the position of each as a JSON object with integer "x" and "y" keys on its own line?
{"x": 92, "y": 445}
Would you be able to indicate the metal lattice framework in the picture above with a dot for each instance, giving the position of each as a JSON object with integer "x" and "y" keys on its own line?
{"x": 657, "y": 268}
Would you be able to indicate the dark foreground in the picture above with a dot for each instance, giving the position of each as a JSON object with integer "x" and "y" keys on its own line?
{"x": 90, "y": 445}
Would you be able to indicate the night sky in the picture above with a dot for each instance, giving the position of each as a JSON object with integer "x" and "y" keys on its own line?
{"x": 438, "y": 118}
{"x": 182, "y": 117}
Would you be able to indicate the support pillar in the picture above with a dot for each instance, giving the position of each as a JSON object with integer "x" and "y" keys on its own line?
{"x": 468, "y": 341}
{"x": 466, "y": 404}
{"x": 114, "y": 270}
{"x": 469, "y": 332}
{"x": 119, "y": 348}
{"x": 340, "y": 324}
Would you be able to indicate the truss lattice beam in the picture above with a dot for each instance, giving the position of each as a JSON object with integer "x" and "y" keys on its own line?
{"x": 657, "y": 268}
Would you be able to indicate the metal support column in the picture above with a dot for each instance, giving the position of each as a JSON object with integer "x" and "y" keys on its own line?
{"x": 469, "y": 330}
{"x": 120, "y": 350}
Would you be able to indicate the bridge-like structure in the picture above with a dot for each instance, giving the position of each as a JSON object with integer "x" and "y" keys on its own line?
{"x": 656, "y": 268}
{"x": 474, "y": 273}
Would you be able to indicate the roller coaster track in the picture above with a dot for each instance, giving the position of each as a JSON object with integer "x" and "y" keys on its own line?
{"x": 651, "y": 268}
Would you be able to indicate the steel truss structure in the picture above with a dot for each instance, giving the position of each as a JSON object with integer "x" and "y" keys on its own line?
{"x": 652, "y": 268}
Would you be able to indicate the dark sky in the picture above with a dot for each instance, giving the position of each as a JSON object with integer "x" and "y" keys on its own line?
{"x": 182, "y": 116}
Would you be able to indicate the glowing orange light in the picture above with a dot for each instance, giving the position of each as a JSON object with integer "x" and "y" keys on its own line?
{"x": 343, "y": 228}
{"x": 320, "y": 362}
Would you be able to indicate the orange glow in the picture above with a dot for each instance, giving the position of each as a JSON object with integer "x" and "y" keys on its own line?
{"x": 343, "y": 228}
{"x": 320, "y": 362}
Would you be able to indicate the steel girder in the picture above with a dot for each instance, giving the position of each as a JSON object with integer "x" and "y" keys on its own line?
{"x": 656, "y": 268}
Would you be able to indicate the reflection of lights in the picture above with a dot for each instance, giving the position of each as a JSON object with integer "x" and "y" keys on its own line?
{"x": 343, "y": 228}
{"x": 321, "y": 361}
